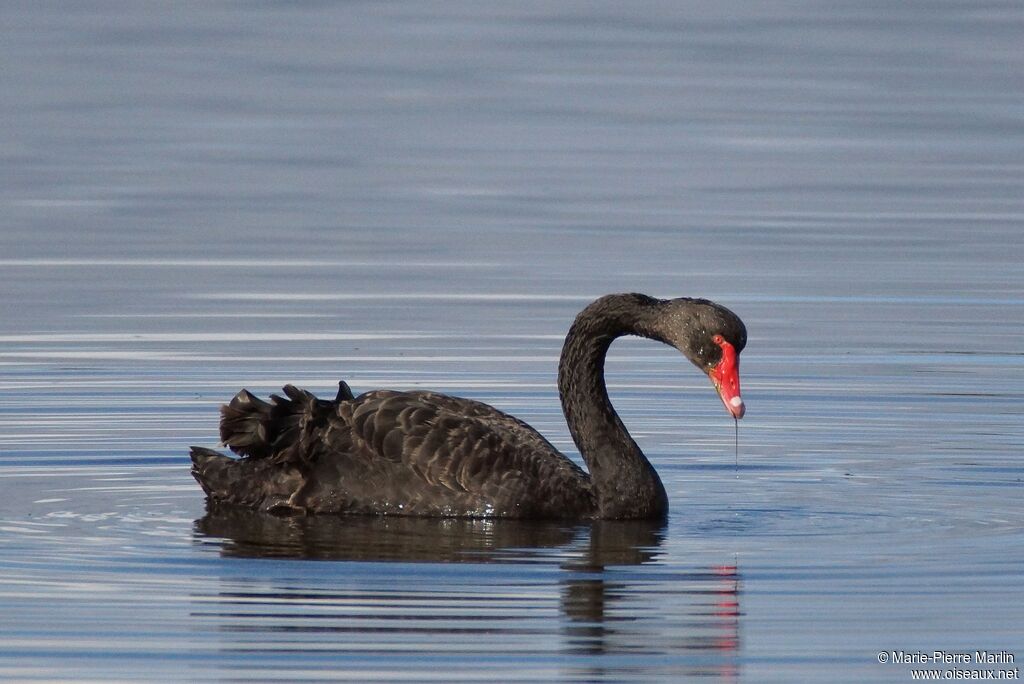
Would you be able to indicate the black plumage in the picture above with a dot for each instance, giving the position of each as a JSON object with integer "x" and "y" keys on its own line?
{"x": 428, "y": 454}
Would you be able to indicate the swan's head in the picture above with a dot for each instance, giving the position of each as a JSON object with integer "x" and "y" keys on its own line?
{"x": 712, "y": 337}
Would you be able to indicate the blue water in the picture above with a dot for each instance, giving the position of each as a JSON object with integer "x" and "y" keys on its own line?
{"x": 198, "y": 197}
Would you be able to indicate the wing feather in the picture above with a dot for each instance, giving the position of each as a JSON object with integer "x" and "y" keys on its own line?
{"x": 463, "y": 446}
{"x": 415, "y": 453}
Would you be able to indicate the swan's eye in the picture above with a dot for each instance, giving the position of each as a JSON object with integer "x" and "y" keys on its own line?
{"x": 718, "y": 339}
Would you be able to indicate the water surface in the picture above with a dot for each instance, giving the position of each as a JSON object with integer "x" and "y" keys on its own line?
{"x": 204, "y": 196}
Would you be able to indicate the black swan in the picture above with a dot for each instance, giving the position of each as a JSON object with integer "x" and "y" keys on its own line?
{"x": 427, "y": 454}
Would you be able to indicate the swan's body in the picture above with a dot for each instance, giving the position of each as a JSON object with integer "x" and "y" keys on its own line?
{"x": 428, "y": 454}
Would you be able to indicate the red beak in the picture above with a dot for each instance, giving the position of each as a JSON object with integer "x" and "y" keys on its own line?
{"x": 726, "y": 376}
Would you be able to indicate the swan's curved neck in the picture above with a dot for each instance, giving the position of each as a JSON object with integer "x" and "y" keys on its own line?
{"x": 626, "y": 484}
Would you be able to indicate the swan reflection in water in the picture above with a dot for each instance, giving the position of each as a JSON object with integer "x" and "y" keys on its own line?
{"x": 621, "y": 609}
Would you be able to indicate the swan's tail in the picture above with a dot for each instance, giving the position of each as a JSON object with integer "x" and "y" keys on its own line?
{"x": 214, "y": 471}
{"x": 278, "y": 438}
{"x": 255, "y": 484}
{"x": 252, "y": 427}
